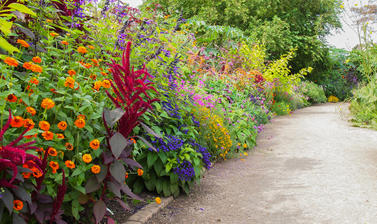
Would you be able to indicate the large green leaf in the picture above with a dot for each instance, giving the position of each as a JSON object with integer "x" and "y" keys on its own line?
{"x": 7, "y": 46}
{"x": 22, "y": 8}
{"x": 5, "y": 26}
{"x": 151, "y": 158}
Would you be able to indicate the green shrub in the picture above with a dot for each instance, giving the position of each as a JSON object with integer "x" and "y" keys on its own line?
{"x": 313, "y": 92}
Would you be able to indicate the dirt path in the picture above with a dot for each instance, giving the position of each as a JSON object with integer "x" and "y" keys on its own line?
{"x": 310, "y": 167}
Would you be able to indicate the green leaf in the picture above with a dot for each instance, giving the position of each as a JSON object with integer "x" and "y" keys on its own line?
{"x": 163, "y": 157}
{"x": 7, "y": 46}
{"x": 75, "y": 209}
{"x": 158, "y": 185}
{"x": 138, "y": 186}
{"x": 174, "y": 188}
{"x": 173, "y": 178}
{"x": 158, "y": 167}
{"x": 151, "y": 158}
{"x": 22, "y": 8}
{"x": 166, "y": 188}
{"x": 5, "y": 26}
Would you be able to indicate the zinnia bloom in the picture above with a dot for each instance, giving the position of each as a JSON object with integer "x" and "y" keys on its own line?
{"x": 27, "y": 65}
{"x": 80, "y": 123}
{"x": 18, "y": 205}
{"x": 29, "y": 123}
{"x": 158, "y": 200}
{"x": 106, "y": 83}
{"x": 52, "y": 151}
{"x": 94, "y": 144}
{"x": 47, "y": 103}
{"x": 36, "y": 68}
{"x": 26, "y": 175}
{"x": 90, "y": 47}
{"x": 11, "y": 98}
{"x": 60, "y": 136}
{"x": 36, "y": 172}
{"x": 70, "y": 164}
{"x": 23, "y": 43}
{"x": 140, "y": 172}
{"x": 34, "y": 81}
{"x": 37, "y": 59}
{"x": 69, "y": 146}
{"x": 93, "y": 76}
{"x": 31, "y": 110}
{"x": 69, "y": 82}
{"x": 87, "y": 158}
{"x": 48, "y": 135}
{"x": 64, "y": 42}
{"x": 81, "y": 116}
{"x": 97, "y": 85}
{"x": 44, "y": 125}
{"x": 82, "y": 50}
{"x": 53, "y": 34}
{"x": 11, "y": 61}
{"x": 62, "y": 125}
{"x": 17, "y": 122}
{"x": 95, "y": 169}
{"x": 126, "y": 176}
{"x": 71, "y": 72}
{"x": 54, "y": 165}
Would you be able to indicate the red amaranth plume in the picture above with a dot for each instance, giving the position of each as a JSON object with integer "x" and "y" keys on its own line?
{"x": 59, "y": 201}
{"x": 129, "y": 88}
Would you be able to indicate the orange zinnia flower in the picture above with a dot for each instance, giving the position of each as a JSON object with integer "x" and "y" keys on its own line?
{"x": 71, "y": 72}
{"x": 106, "y": 83}
{"x": 87, "y": 158}
{"x": 54, "y": 165}
{"x": 158, "y": 200}
{"x": 30, "y": 136}
{"x": 37, "y": 59}
{"x": 44, "y": 125}
{"x": 23, "y": 43}
{"x": 104, "y": 73}
{"x": 64, "y": 42}
{"x": 97, "y": 85}
{"x": 48, "y": 135}
{"x": 69, "y": 82}
{"x": 94, "y": 144}
{"x": 11, "y": 61}
{"x": 70, "y": 164}
{"x": 17, "y": 122}
{"x": 18, "y": 205}
{"x": 69, "y": 146}
{"x": 29, "y": 123}
{"x": 95, "y": 61}
{"x": 31, "y": 110}
{"x": 27, "y": 65}
{"x": 93, "y": 76}
{"x": 80, "y": 123}
{"x": 36, "y": 68}
{"x": 53, "y": 34}
{"x": 26, "y": 175}
{"x": 140, "y": 172}
{"x": 11, "y": 98}
{"x": 34, "y": 81}
{"x": 60, "y": 136}
{"x": 36, "y": 172}
{"x": 90, "y": 47}
{"x": 95, "y": 169}
{"x": 81, "y": 116}
{"x": 87, "y": 65}
{"x": 82, "y": 50}
{"x": 47, "y": 103}
{"x": 62, "y": 125}
{"x": 52, "y": 151}
{"x": 126, "y": 176}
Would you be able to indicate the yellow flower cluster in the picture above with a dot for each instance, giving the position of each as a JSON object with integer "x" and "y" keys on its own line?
{"x": 216, "y": 134}
{"x": 333, "y": 99}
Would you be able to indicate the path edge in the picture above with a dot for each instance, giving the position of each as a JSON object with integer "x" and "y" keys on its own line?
{"x": 143, "y": 215}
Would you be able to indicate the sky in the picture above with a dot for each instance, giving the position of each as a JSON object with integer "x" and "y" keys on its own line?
{"x": 345, "y": 38}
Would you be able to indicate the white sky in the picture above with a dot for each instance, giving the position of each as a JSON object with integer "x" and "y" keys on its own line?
{"x": 346, "y": 38}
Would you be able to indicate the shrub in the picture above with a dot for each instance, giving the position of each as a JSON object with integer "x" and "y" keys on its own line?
{"x": 313, "y": 92}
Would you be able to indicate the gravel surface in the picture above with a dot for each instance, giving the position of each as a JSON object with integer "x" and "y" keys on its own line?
{"x": 310, "y": 167}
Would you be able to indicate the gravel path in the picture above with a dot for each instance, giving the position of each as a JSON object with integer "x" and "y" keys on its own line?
{"x": 310, "y": 167}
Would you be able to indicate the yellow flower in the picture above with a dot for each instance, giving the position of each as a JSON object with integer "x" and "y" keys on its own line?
{"x": 158, "y": 200}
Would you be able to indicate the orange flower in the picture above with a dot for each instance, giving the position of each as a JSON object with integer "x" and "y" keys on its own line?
{"x": 31, "y": 110}
{"x": 133, "y": 140}
{"x": 30, "y": 136}
{"x": 70, "y": 164}
{"x": 140, "y": 172}
{"x": 36, "y": 68}
{"x": 53, "y": 34}
{"x": 69, "y": 82}
{"x": 64, "y": 42}
{"x": 95, "y": 61}
{"x": 34, "y": 81}
{"x": 71, "y": 72}
{"x": 87, "y": 158}
{"x": 126, "y": 176}
{"x": 26, "y": 175}
{"x": 106, "y": 83}
{"x": 17, "y": 122}
{"x": 44, "y": 125}
{"x": 87, "y": 65}
{"x": 36, "y": 172}
{"x": 82, "y": 50}
{"x": 80, "y": 123}
{"x": 62, "y": 125}
{"x": 60, "y": 136}
{"x": 11, "y": 61}
{"x": 27, "y": 65}
{"x": 69, "y": 146}
{"x": 18, "y": 205}
{"x": 94, "y": 144}
{"x": 52, "y": 151}
{"x": 48, "y": 135}
{"x": 11, "y": 98}
{"x": 97, "y": 85}
{"x": 95, "y": 169}
{"x": 90, "y": 47}
{"x": 47, "y": 103}
{"x": 54, "y": 165}
{"x": 158, "y": 200}
{"x": 93, "y": 76}
{"x": 29, "y": 123}
{"x": 48, "y": 20}
{"x": 23, "y": 43}
{"x": 81, "y": 116}
{"x": 37, "y": 59}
